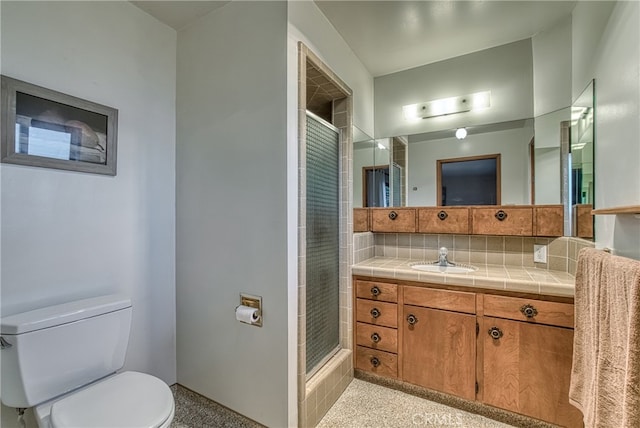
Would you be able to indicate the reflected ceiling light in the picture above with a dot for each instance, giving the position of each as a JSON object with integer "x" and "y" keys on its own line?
{"x": 444, "y": 106}
{"x": 381, "y": 146}
{"x": 461, "y": 133}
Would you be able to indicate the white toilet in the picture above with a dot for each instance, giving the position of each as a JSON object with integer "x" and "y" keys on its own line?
{"x": 62, "y": 359}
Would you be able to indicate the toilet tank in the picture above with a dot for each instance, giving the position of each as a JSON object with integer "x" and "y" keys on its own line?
{"x": 50, "y": 351}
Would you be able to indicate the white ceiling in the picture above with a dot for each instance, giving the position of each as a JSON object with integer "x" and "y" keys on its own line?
{"x": 390, "y": 36}
{"x": 178, "y": 14}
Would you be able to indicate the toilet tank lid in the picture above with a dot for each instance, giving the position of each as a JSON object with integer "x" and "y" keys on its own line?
{"x": 64, "y": 313}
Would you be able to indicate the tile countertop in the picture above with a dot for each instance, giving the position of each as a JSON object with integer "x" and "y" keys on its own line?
{"x": 496, "y": 277}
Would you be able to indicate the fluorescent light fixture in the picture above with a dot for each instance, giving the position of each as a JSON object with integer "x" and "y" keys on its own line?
{"x": 461, "y": 133}
{"x": 445, "y": 106}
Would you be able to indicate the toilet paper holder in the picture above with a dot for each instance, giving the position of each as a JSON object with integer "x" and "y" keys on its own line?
{"x": 253, "y": 302}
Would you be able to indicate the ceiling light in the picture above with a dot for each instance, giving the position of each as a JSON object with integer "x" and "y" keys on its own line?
{"x": 461, "y": 133}
{"x": 445, "y": 106}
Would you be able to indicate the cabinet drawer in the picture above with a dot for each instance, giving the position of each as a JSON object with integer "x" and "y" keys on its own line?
{"x": 393, "y": 219}
{"x": 502, "y": 221}
{"x": 377, "y": 337}
{"x": 378, "y": 362}
{"x": 549, "y": 220}
{"x": 360, "y": 219}
{"x": 378, "y": 313}
{"x": 458, "y": 301}
{"x": 380, "y": 291}
{"x": 539, "y": 311}
{"x": 443, "y": 220}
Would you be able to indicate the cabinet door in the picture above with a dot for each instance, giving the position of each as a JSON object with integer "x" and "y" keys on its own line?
{"x": 438, "y": 350}
{"x": 527, "y": 369}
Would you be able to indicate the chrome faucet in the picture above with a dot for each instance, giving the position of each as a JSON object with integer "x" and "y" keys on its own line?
{"x": 442, "y": 258}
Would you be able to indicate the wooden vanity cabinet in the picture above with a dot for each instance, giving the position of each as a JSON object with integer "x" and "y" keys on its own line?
{"x": 507, "y": 351}
{"x": 526, "y": 363}
{"x": 438, "y": 343}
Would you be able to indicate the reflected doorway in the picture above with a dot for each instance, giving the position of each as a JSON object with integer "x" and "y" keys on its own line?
{"x": 382, "y": 187}
{"x": 469, "y": 181}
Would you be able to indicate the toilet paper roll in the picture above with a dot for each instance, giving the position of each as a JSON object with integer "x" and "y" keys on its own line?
{"x": 247, "y": 314}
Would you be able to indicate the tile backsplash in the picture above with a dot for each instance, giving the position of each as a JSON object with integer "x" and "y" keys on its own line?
{"x": 562, "y": 253}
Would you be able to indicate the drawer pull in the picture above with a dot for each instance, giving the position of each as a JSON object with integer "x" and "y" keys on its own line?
{"x": 375, "y": 291}
{"x": 375, "y": 338}
{"x": 501, "y": 215}
{"x": 495, "y": 333}
{"x": 375, "y": 362}
{"x": 412, "y": 319}
{"x": 528, "y": 311}
{"x": 393, "y": 215}
{"x": 442, "y": 215}
{"x": 375, "y": 312}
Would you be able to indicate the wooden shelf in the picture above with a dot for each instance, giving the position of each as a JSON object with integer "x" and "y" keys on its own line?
{"x": 631, "y": 209}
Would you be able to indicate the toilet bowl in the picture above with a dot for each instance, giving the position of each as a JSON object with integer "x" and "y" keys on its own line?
{"x": 63, "y": 361}
{"x": 128, "y": 399}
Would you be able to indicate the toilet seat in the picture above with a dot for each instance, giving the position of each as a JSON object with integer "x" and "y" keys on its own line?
{"x": 128, "y": 399}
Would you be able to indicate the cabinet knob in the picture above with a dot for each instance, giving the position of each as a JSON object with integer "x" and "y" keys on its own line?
{"x": 529, "y": 311}
{"x": 375, "y": 312}
{"x": 375, "y": 338}
{"x": 443, "y": 215}
{"x": 393, "y": 215}
{"x": 501, "y": 215}
{"x": 375, "y": 362}
{"x": 375, "y": 291}
{"x": 412, "y": 319}
{"x": 495, "y": 333}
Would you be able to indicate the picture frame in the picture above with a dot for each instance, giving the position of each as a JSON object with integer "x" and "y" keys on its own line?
{"x": 46, "y": 128}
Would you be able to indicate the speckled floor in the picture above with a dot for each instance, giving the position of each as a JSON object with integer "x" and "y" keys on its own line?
{"x": 195, "y": 411}
{"x": 362, "y": 405}
{"x": 366, "y": 405}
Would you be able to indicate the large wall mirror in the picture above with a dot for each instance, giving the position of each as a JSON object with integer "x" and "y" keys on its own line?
{"x": 541, "y": 160}
{"x": 405, "y": 170}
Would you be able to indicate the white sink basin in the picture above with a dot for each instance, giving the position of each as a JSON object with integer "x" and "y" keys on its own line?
{"x": 430, "y": 267}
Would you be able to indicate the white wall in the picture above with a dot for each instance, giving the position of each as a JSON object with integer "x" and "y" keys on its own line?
{"x": 588, "y": 22}
{"x": 552, "y": 68}
{"x": 68, "y": 235}
{"x": 616, "y": 69}
{"x": 308, "y": 25}
{"x": 511, "y": 144}
{"x": 506, "y": 71}
{"x": 232, "y": 212}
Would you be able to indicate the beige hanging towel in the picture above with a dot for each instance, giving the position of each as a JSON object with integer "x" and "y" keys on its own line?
{"x": 605, "y": 377}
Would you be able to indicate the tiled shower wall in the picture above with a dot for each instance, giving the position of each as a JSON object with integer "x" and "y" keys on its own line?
{"x": 562, "y": 253}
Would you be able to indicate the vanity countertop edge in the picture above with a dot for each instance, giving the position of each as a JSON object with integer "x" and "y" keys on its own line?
{"x": 495, "y": 277}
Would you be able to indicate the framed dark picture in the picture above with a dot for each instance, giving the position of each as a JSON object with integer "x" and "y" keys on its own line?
{"x": 46, "y": 128}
